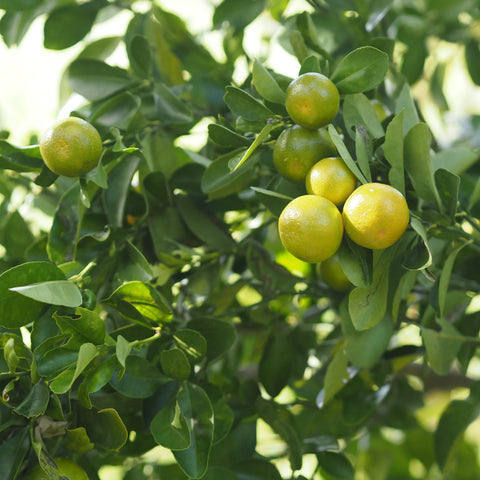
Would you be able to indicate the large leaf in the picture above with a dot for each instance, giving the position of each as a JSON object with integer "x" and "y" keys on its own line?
{"x": 68, "y": 24}
{"x": 266, "y": 84}
{"x": 454, "y": 420}
{"x": 55, "y": 292}
{"x": 246, "y": 106}
{"x": 361, "y": 70}
{"x": 198, "y": 412}
{"x": 357, "y": 110}
{"x": 27, "y": 159}
{"x": 15, "y": 309}
{"x": 95, "y": 79}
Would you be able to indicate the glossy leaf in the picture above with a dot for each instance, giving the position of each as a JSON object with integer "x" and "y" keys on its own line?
{"x": 55, "y": 292}
{"x": 15, "y": 309}
{"x": 175, "y": 364}
{"x": 336, "y": 464}
{"x": 243, "y": 104}
{"x": 360, "y": 70}
{"x": 448, "y": 186}
{"x": 335, "y": 378}
{"x": 87, "y": 326}
{"x": 169, "y": 107}
{"x": 357, "y": 110}
{"x": 12, "y": 452}
{"x": 192, "y": 343}
{"x": 140, "y": 56}
{"x": 26, "y": 159}
{"x": 224, "y": 136}
{"x": 18, "y": 5}
{"x": 36, "y": 402}
{"x": 117, "y": 111}
{"x": 266, "y": 84}
{"x": 106, "y": 428}
{"x": 393, "y": 148}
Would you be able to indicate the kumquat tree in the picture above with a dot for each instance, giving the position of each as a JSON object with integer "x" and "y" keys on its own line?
{"x": 244, "y": 260}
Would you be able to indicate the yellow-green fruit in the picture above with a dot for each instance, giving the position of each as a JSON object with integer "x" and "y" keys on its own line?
{"x": 331, "y": 272}
{"x": 312, "y": 100}
{"x": 311, "y": 228}
{"x": 66, "y": 467}
{"x": 332, "y": 179}
{"x": 71, "y": 148}
{"x": 297, "y": 149}
{"x": 375, "y": 215}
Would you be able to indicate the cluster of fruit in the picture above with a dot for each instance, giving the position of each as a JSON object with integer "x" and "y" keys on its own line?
{"x": 311, "y": 226}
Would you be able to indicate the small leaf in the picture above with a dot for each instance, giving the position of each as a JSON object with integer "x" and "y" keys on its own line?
{"x": 448, "y": 186}
{"x": 140, "y": 56}
{"x": 105, "y": 428}
{"x": 455, "y": 159}
{"x": 361, "y": 70}
{"x": 169, "y": 107}
{"x": 192, "y": 343}
{"x": 357, "y": 110}
{"x": 266, "y": 84}
{"x": 55, "y": 292}
{"x": 36, "y": 402}
{"x": 336, "y": 464}
{"x": 259, "y": 139}
{"x": 393, "y": 148}
{"x": 225, "y": 137}
{"x": 336, "y": 376}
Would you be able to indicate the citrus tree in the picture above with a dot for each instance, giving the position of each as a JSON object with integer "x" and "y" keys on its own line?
{"x": 155, "y": 319}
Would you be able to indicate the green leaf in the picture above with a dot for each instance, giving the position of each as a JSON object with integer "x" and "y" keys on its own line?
{"x": 169, "y": 107}
{"x": 336, "y": 464}
{"x": 87, "y": 326}
{"x": 27, "y": 159}
{"x": 13, "y": 450}
{"x": 345, "y": 154}
{"x": 442, "y": 347}
{"x": 418, "y": 162}
{"x": 420, "y": 256}
{"x": 363, "y": 151}
{"x": 77, "y": 440}
{"x": 393, "y": 148}
{"x": 140, "y": 56}
{"x": 310, "y": 64}
{"x": 454, "y": 420}
{"x": 67, "y": 25}
{"x": 206, "y": 228}
{"x": 192, "y": 343}
{"x": 140, "y": 380}
{"x": 257, "y": 469}
{"x": 336, "y": 376}
{"x": 175, "y": 364}
{"x": 238, "y": 15}
{"x": 95, "y": 79}
{"x": 220, "y": 335}
{"x": 225, "y": 137}
{"x": 455, "y": 159}
{"x": 361, "y": 70}
{"x": 169, "y": 427}
{"x": 220, "y": 180}
{"x": 266, "y": 84}
{"x": 36, "y": 402}
{"x": 147, "y": 302}
{"x": 133, "y": 265}
{"x": 55, "y": 292}
{"x": 276, "y": 364}
{"x": 119, "y": 180}
{"x": 19, "y": 5}
{"x": 64, "y": 381}
{"x": 357, "y": 110}
{"x": 367, "y": 305}
{"x": 243, "y": 104}
{"x": 259, "y": 139}
{"x": 63, "y": 234}
{"x": 14, "y": 25}
{"x": 405, "y": 102}
{"x": 122, "y": 350}
{"x": 15, "y": 309}
{"x": 472, "y": 58}
{"x": 220, "y": 473}
{"x": 105, "y": 428}
{"x": 117, "y": 111}
{"x": 198, "y": 412}
{"x": 448, "y": 186}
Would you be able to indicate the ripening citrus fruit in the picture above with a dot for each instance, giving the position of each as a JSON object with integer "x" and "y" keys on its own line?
{"x": 332, "y": 179}
{"x": 375, "y": 215}
{"x": 380, "y": 109}
{"x": 66, "y": 467}
{"x": 298, "y": 148}
{"x": 312, "y": 100}
{"x": 331, "y": 272}
{"x": 311, "y": 228}
{"x": 71, "y": 148}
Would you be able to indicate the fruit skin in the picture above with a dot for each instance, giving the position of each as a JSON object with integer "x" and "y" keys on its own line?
{"x": 66, "y": 467}
{"x": 297, "y": 149}
{"x": 332, "y": 179}
{"x": 311, "y": 228}
{"x": 312, "y": 100}
{"x": 71, "y": 147}
{"x": 375, "y": 215}
{"x": 331, "y": 272}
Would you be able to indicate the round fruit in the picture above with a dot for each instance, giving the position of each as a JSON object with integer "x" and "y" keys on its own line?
{"x": 331, "y": 272}
{"x": 380, "y": 109}
{"x": 312, "y": 100}
{"x": 375, "y": 215}
{"x": 311, "y": 228}
{"x": 71, "y": 148}
{"x": 298, "y": 148}
{"x": 332, "y": 179}
{"x": 66, "y": 467}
